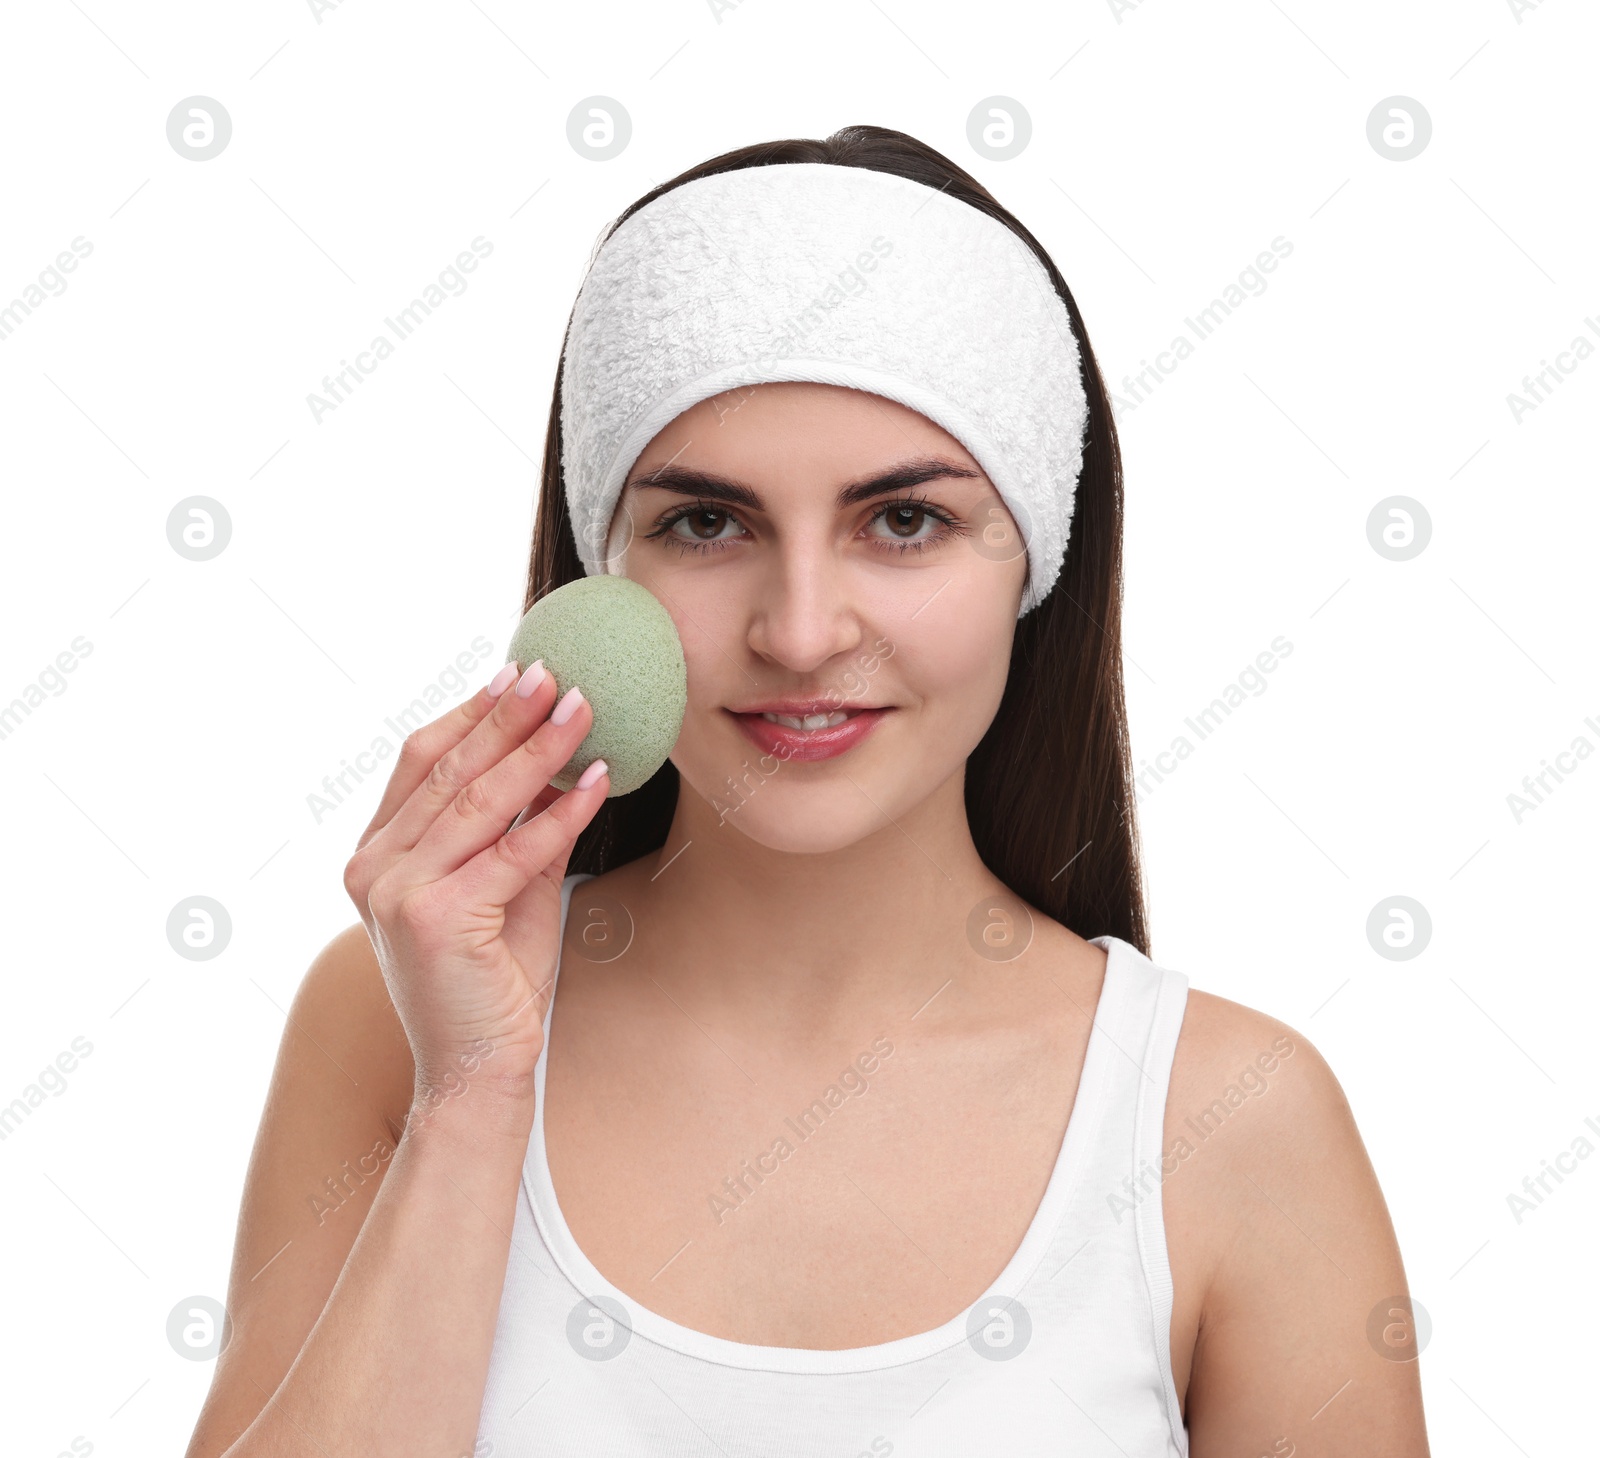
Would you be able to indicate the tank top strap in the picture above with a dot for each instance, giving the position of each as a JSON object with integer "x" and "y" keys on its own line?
{"x": 1114, "y": 1214}
{"x": 1144, "y": 1029}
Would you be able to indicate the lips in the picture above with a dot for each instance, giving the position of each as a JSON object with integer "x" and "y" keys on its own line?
{"x": 785, "y": 742}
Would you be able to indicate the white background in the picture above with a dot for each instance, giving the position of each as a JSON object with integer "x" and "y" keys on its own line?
{"x": 1170, "y": 145}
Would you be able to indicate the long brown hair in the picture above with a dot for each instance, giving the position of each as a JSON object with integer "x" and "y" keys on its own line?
{"x": 1049, "y": 788}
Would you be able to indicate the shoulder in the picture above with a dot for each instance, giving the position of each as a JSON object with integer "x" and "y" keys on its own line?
{"x": 333, "y": 1115}
{"x": 1256, "y": 1107}
{"x": 1224, "y": 1045}
{"x": 343, "y": 1016}
{"x": 1256, "y": 1126}
{"x": 344, "y": 974}
{"x": 1275, "y": 1213}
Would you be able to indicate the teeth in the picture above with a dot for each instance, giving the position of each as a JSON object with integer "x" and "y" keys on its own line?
{"x": 810, "y": 721}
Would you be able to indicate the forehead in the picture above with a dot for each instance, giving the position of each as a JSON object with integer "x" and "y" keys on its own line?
{"x": 798, "y": 430}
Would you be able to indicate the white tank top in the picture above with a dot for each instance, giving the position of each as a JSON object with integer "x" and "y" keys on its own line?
{"x": 1067, "y": 1353}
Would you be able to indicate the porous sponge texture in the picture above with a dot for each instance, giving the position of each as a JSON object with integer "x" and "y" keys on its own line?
{"x": 614, "y": 640}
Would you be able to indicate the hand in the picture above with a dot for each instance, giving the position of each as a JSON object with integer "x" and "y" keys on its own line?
{"x": 435, "y": 872}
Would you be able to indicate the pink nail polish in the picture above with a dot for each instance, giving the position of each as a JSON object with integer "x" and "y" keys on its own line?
{"x": 590, "y": 775}
{"x": 531, "y": 679}
{"x": 568, "y": 705}
{"x": 502, "y": 680}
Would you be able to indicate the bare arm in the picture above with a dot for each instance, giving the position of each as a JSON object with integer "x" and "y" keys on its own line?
{"x": 408, "y": 1236}
{"x": 396, "y": 1362}
{"x": 1305, "y": 1344}
{"x": 370, "y": 1259}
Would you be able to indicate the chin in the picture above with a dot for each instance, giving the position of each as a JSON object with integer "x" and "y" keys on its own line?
{"x": 820, "y": 828}
{"x": 810, "y": 823}
{"x": 781, "y": 811}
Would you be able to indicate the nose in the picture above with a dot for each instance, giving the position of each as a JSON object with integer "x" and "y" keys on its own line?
{"x": 805, "y": 612}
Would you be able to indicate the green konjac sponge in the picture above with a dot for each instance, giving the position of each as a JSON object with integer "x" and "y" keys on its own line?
{"x": 614, "y": 640}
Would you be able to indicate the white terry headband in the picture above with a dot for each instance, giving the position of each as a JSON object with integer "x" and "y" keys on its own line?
{"x": 838, "y": 275}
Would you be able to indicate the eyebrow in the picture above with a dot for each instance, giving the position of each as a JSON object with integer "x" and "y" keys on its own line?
{"x": 689, "y": 481}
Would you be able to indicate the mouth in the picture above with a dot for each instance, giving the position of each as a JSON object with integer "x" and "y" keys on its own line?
{"x": 808, "y": 731}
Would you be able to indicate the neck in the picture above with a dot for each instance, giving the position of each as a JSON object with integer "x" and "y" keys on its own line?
{"x": 818, "y": 937}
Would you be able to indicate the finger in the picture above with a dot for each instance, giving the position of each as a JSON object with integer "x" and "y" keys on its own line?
{"x": 541, "y": 802}
{"x": 421, "y": 751}
{"x": 501, "y": 871}
{"x": 478, "y": 813}
{"x": 437, "y": 767}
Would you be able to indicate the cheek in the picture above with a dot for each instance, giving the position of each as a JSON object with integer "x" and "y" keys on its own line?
{"x": 957, "y": 653}
{"x": 957, "y": 670}
{"x": 713, "y": 678}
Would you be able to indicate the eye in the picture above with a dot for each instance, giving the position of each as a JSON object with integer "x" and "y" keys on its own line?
{"x": 704, "y": 525}
{"x": 915, "y": 524}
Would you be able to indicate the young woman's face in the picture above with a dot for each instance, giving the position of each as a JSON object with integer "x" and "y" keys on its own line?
{"x": 892, "y": 608}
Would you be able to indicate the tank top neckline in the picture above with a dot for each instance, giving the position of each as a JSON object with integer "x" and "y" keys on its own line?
{"x": 1087, "y": 1106}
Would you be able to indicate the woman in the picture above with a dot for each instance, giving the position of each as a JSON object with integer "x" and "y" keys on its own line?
{"x": 874, "y": 1127}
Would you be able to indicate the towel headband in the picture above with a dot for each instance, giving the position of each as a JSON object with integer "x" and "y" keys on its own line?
{"x": 838, "y": 275}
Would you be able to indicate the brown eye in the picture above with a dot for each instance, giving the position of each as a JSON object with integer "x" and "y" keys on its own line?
{"x": 705, "y": 524}
{"x": 914, "y": 525}
{"x": 904, "y": 520}
{"x": 699, "y": 528}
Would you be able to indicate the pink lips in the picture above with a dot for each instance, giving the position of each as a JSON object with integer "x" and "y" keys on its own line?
{"x": 782, "y": 742}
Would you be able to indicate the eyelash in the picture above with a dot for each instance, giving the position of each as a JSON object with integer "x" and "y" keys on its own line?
{"x": 952, "y": 528}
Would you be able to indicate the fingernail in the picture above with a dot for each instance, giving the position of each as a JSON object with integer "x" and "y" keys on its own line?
{"x": 531, "y": 679}
{"x": 590, "y": 775}
{"x": 568, "y": 705}
{"x": 502, "y": 680}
